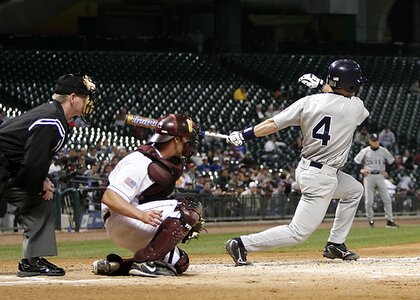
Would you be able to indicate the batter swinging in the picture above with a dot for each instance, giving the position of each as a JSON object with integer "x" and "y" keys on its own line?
{"x": 328, "y": 121}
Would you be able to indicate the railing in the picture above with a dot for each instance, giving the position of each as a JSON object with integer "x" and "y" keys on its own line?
{"x": 79, "y": 208}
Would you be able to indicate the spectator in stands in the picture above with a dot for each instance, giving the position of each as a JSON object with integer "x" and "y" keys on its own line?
{"x": 211, "y": 141}
{"x": 55, "y": 169}
{"x": 120, "y": 117}
{"x": 223, "y": 178}
{"x": 199, "y": 183}
{"x": 279, "y": 93}
{"x": 259, "y": 115}
{"x": 216, "y": 166}
{"x": 92, "y": 156}
{"x": 27, "y": 144}
{"x": 183, "y": 181}
{"x": 406, "y": 184}
{"x": 250, "y": 199}
{"x": 206, "y": 190}
{"x": 240, "y": 94}
{"x": 192, "y": 173}
{"x": 362, "y": 137}
{"x": 415, "y": 88}
{"x": 387, "y": 138}
{"x": 407, "y": 159}
{"x": 269, "y": 113}
{"x": 205, "y": 166}
{"x": 248, "y": 160}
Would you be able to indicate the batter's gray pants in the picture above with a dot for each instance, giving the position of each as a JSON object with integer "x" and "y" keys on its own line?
{"x": 373, "y": 183}
{"x": 37, "y": 218}
{"x": 318, "y": 187}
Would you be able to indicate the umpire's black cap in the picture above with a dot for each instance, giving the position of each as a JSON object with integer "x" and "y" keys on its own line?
{"x": 74, "y": 83}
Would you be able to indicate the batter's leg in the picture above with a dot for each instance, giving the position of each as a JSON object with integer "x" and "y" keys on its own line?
{"x": 350, "y": 191}
{"x": 317, "y": 189}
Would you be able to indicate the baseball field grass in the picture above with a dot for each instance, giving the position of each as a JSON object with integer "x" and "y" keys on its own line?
{"x": 212, "y": 243}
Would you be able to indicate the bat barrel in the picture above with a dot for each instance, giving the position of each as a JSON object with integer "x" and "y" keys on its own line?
{"x": 140, "y": 121}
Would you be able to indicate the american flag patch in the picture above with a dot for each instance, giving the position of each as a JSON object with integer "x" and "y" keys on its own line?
{"x": 130, "y": 182}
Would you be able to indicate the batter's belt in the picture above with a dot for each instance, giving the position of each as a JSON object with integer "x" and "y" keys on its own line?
{"x": 318, "y": 165}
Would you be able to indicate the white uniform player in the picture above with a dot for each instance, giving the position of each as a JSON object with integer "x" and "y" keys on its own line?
{"x": 138, "y": 214}
{"x": 328, "y": 122}
{"x": 373, "y": 159}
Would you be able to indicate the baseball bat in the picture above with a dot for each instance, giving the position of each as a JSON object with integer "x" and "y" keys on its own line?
{"x": 146, "y": 122}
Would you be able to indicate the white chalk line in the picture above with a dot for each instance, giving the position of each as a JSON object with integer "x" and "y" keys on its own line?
{"x": 404, "y": 268}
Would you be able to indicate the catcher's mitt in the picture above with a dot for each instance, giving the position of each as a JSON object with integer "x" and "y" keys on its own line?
{"x": 194, "y": 232}
{"x": 187, "y": 205}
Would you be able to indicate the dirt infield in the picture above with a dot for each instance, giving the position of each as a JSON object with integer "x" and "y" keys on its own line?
{"x": 383, "y": 273}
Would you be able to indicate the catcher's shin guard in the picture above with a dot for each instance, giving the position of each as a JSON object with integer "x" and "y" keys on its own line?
{"x": 169, "y": 234}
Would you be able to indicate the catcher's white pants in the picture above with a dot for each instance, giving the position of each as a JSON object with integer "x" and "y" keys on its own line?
{"x": 133, "y": 234}
{"x": 373, "y": 182}
{"x": 318, "y": 187}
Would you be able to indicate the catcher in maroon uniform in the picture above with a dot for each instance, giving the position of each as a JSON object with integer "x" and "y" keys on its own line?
{"x": 139, "y": 212}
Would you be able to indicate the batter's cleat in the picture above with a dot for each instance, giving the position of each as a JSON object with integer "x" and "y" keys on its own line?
{"x": 392, "y": 224}
{"x": 38, "y": 266}
{"x": 151, "y": 269}
{"x": 371, "y": 224}
{"x": 237, "y": 252}
{"x": 333, "y": 251}
{"x": 104, "y": 267}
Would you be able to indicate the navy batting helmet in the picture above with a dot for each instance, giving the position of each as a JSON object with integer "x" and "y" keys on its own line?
{"x": 345, "y": 74}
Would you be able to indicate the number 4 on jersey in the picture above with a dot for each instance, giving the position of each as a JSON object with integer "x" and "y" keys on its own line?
{"x": 321, "y": 130}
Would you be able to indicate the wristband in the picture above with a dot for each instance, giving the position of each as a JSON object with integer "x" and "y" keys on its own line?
{"x": 248, "y": 133}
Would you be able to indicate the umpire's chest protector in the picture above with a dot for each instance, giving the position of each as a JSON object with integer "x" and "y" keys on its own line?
{"x": 164, "y": 173}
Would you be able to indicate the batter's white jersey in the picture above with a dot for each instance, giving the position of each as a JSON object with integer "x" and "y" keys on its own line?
{"x": 374, "y": 160}
{"x": 328, "y": 122}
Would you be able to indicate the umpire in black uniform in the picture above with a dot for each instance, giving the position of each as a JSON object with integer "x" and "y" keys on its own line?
{"x": 27, "y": 145}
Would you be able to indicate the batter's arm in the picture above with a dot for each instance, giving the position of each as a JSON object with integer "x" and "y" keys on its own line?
{"x": 116, "y": 203}
{"x": 266, "y": 127}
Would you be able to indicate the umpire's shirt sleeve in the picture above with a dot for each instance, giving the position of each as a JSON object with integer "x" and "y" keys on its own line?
{"x": 42, "y": 140}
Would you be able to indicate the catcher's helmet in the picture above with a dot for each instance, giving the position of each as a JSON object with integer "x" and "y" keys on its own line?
{"x": 173, "y": 125}
{"x": 345, "y": 74}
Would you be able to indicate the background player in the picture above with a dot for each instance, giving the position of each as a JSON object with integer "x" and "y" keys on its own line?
{"x": 372, "y": 161}
{"x": 327, "y": 121}
{"x": 137, "y": 213}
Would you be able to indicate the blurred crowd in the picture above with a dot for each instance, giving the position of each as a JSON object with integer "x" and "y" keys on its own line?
{"x": 222, "y": 169}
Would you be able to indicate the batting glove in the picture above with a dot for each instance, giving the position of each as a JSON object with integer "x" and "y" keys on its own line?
{"x": 311, "y": 81}
{"x": 235, "y": 138}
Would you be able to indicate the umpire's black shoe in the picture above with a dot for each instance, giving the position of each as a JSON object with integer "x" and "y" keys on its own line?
{"x": 38, "y": 266}
{"x": 333, "y": 251}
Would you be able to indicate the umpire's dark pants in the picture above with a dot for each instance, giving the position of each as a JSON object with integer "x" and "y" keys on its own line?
{"x": 37, "y": 218}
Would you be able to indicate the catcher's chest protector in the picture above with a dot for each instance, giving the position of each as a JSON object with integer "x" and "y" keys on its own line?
{"x": 164, "y": 172}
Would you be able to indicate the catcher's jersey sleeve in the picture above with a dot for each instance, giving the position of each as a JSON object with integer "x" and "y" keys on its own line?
{"x": 328, "y": 122}
{"x": 130, "y": 177}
